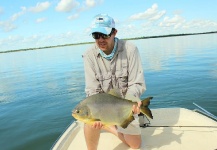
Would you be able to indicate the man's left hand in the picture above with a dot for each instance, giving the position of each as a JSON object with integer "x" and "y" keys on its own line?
{"x": 136, "y": 109}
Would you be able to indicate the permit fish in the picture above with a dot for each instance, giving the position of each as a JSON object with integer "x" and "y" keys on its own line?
{"x": 110, "y": 108}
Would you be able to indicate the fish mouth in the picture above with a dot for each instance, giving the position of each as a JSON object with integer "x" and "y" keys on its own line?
{"x": 77, "y": 116}
{"x": 73, "y": 114}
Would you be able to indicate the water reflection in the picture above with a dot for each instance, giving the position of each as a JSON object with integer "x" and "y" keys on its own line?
{"x": 156, "y": 53}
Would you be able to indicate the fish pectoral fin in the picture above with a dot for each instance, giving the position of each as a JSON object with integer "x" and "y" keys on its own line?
{"x": 96, "y": 120}
{"x": 90, "y": 121}
{"x": 127, "y": 122}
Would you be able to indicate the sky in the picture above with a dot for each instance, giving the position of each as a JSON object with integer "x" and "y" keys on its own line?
{"x": 39, "y": 23}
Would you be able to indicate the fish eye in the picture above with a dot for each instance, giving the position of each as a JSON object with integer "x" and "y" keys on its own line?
{"x": 77, "y": 111}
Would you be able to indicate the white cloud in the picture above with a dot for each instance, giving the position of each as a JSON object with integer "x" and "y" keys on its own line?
{"x": 40, "y": 7}
{"x": 39, "y": 20}
{"x": 87, "y": 4}
{"x": 90, "y": 3}
{"x": 17, "y": 15}
{"x": 158, "y": 15}
{"x": 72, "y": 17}
{"x": 150, "y": 14}
{"x": 196, "y": 26}
{"x": 7, "y": 26}
{"x": 176, "y": 22}
{"x": 66, "y": 5}
{"x": 32, "y": 38}
{"x": 11, "y": 42}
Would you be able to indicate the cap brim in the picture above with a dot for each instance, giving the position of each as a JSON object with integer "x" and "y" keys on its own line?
{"x": 104, "y": 30}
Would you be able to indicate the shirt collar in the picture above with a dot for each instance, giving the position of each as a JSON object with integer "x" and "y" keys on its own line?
{"x": 119, "y": 48}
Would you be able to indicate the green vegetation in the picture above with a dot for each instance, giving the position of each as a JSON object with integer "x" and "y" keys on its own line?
{"x": 147, "y": 37}
{"x": 38, "y": 48}
{"x": 171, "y": 35}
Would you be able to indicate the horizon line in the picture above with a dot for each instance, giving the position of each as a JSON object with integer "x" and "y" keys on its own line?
{"x": 135, "y": 38}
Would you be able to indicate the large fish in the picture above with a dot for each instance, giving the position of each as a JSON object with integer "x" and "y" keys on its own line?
{"x": 110, "y": 109}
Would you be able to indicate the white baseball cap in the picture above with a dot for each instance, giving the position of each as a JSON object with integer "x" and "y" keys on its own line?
{"x": 103, "y": 23}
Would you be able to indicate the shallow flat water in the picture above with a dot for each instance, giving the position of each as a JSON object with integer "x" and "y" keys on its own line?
{"x": 38, "y": 89}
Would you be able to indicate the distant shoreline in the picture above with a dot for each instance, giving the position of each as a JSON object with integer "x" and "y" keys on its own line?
{"x": 147, "y": 37}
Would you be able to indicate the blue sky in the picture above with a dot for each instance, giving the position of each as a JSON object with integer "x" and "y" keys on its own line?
{"x": 38, "y": 23}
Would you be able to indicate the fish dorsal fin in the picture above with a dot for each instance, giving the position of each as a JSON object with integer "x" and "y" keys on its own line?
{"x": 132, "y": 98}
{"x": 115, "y": 92}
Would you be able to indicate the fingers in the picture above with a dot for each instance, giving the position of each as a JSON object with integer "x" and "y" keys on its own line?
{"x": 97, "y": 125}
{"x": 139, "y": 104}
{"x": 136, "y": 109}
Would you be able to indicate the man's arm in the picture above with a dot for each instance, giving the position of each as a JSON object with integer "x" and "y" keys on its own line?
{"x": 136, "y": 82}
{"x": 92, "y": 84}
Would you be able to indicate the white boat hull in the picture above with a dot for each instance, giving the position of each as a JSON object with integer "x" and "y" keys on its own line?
{"x": 171, "y": 129}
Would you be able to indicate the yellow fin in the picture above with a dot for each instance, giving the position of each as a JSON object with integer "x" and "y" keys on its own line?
{"x": 90, "y": 121}
{"x": 127, "y": 121}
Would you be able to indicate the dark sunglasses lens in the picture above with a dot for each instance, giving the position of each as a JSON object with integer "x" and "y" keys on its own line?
{"x": 104, "y": 36}
{"x": 95, "y": 35}
{"x": 98, "y": 35}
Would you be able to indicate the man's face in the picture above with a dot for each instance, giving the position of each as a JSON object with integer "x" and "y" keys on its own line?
{"x": 106, "y": 45}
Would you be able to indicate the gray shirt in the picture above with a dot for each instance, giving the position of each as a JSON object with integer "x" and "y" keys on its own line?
{"x": 124, "y": 71}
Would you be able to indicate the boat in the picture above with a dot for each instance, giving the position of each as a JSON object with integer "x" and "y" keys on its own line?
{"x": 171, "y": 129}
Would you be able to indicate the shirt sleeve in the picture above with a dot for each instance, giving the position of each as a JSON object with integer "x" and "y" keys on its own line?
{"x": 136, "y": 81}
{"x": 92, "y": 84}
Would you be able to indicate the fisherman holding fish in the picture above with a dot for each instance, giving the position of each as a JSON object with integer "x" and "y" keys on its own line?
{"x": 113, "y": 63}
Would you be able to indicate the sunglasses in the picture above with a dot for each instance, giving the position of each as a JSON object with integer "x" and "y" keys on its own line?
{"x": 97, "y": 35}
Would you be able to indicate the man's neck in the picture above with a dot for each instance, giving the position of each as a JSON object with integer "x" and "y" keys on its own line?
{"x": 109, "y": 51}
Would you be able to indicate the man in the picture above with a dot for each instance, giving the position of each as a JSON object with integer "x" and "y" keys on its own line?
{"x": 112, "y": 63}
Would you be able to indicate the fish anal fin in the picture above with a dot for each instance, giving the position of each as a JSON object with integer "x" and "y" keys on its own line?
{"x": 127, "y": 122}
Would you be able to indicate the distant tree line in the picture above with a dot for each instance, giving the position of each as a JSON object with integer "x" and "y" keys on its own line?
{"x": 170, "y": 35}
{"x": 144, "y": 37}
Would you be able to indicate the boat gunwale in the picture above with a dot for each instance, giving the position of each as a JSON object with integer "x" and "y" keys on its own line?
{"x": 67, "y": 137}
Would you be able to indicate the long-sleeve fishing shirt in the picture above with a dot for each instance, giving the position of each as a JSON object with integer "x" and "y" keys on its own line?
{"x": 124, "y": 71}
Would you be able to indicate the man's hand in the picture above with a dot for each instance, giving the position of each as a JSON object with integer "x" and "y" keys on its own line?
{"x": 97, "y": 125}
{"x": 136, "y": 109}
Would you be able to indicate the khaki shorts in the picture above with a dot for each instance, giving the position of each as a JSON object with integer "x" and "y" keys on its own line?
{"x": 132, "y": 129}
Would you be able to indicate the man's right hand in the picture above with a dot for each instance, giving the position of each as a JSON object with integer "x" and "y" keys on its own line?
{"x": 97, "y": 125}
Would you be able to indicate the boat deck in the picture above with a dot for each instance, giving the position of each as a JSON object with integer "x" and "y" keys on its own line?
{"x": 173, "y": 128}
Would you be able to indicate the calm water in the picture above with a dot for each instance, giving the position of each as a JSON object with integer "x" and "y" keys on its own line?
{"x": 38, "y": 89}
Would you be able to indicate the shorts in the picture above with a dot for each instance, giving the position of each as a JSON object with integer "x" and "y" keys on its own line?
{"x": 132, "y": 129}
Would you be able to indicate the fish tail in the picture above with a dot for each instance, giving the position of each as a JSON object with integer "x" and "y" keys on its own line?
{"x": 144, "y": 107}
